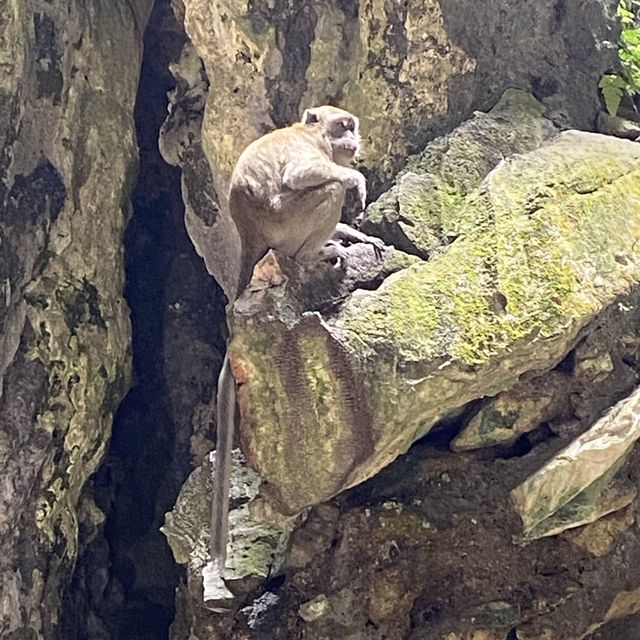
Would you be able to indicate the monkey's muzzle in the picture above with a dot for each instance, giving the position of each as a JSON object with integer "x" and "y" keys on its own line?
{"x": 348, "y": 146}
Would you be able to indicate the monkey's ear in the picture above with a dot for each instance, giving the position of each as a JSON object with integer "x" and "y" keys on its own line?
{"x": 309, "y": 117}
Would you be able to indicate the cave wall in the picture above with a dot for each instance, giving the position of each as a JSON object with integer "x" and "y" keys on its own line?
{"x": 125, "y": 578}
{"x": 68, "y": 79}
{"x": 410, "y": 70}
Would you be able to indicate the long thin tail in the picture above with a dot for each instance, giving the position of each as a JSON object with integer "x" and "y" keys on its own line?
{"x": 226, "y": 406}
{"x": 226, "y": 409}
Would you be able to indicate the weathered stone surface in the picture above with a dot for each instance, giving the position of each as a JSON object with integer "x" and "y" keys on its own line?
{"x": 255, "y": 548}
{"x": 427, "y": 554}
{"x": 553, "y": 244}
{"x": 400, "y": 67}
{"x": 578, "y": 485}
{"x": 211, "y": 231}
{"x": 411, "y": 71}
{"x": 314, "y": 609}
{"x": 425, "y": 551}
{"x": 599, "y": 538}
{"x": 618, "y": 126}
{"x": 511, "y": 413}
{"x": 68, "y": 78}
{"x": 425, "y": 210}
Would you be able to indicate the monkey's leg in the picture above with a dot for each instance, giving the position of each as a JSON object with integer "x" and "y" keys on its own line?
{"x": 250, "y": 256}
{"x": 322, "y": 221}
{"x": 300, "y": 176}
{"x": 226, "y": 405}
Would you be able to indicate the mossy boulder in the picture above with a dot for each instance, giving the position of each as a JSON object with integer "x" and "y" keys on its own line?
{"x": 326, "y": 403}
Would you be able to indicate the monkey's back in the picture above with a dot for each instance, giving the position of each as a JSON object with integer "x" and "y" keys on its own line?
{"x": 260, "y": 168}
{"x": 263, "y": 209}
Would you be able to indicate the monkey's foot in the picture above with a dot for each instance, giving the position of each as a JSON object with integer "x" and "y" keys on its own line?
{"x": 349, "y": 234}
{"x": 333, "y": 250}
{"x": 216, "y": 596}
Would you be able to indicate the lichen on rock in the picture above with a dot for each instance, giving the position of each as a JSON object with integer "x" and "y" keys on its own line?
{"x": 553, "y": 245}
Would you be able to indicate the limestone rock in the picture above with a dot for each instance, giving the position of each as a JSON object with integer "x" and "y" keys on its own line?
{"x": 578, "y": 485}
{"x": 618, "y": 126}
{"x": 255, "y": 548}
{"x": 511, "y": 413}
{"x": 410, "y": 71}
{"x": 68, "y": 80}
{"x": 552, "y": 245}
{"x": 425, "y": 210}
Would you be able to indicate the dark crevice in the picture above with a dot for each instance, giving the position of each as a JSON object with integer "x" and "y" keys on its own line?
{"x": 525, "y": 443}
{"x": 441, "y": 434}
{"x": 294, "y": 30}
{"x": 125, "y": 581}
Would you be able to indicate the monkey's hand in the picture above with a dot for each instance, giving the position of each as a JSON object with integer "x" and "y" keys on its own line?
{"x": 355, "y": 180}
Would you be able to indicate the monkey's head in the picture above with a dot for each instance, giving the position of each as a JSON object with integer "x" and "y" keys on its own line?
{"x": 339, "y": 127}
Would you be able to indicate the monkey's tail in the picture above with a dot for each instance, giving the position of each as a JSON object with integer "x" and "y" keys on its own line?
{"x": 224, "y": 443}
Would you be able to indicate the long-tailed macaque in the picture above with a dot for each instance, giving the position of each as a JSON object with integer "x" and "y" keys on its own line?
{"x": 287, "y": 192}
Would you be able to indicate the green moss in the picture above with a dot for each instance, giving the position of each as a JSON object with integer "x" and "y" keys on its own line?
{"x": 452, "y": 211}
{"x": 550, "y": 239}
{"x": 303, "y": 372}
{"x": 433, "y": 200}
{"x": 399, "y": 260}
{"x": 536, "y": 246}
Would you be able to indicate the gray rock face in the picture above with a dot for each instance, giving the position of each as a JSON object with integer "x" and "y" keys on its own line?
{"x": 68, "y": 78}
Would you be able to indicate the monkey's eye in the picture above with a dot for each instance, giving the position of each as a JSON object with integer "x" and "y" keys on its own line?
{"x": 347, "y": 125}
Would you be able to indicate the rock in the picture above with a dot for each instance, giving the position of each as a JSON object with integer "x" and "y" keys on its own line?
{"x": 68, "y": 80}
{"x": 314, "y": 609}
{"x": 411, "y": 72}
{"x": 408, "y": 70}
{"x": 533, "y": 284}
{"x": 425, "y": 210}
{"x": 437, "y": 324}
{"x": 389, "y": 596}
{"x": 255, "y": 548}
{"x": 510, "y": 295}
{"x": 579, "y": 484}
{"x": 599, "y": 537}
{"x": 504, "y": 418}
{"x": 617, "y": 126}
{"x": 497, "y": 614}
{"x": 261, "y": 612}
{"x": 211, "y": 231}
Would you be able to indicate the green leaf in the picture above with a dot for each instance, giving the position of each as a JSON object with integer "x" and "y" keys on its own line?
{"x": 625, "y": 15}
{"x": 630, "y": 37}
{"x": 612, "y": 88}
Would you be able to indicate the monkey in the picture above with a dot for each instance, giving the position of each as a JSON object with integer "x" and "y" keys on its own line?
{"x": 287, "y": 192}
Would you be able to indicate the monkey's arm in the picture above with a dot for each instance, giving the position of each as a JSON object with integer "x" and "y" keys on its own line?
{"x": 304, "y": 175}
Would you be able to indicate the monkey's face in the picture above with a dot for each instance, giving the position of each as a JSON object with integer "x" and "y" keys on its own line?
{"x": 345, "y": 141}
{"x": 340, "y": 128}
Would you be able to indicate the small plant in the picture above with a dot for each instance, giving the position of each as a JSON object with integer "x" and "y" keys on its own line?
{"x": 614, "y": 86}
